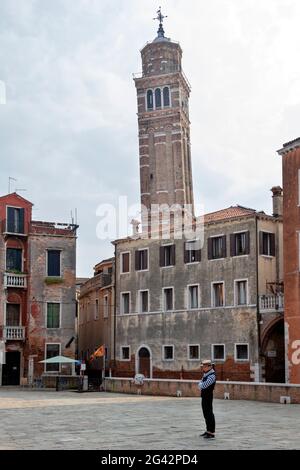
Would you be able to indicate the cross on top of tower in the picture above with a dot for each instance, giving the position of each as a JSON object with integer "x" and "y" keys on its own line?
{"x": 160, "y": 17}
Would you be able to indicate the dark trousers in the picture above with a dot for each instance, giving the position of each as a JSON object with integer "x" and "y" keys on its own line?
{"x": 207, "y": 408}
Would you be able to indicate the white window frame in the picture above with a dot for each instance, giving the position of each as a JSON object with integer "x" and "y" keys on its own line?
{"x": 188, "y": 353}
{"x": 60, "y": 316}
{"x": 212, "y": 352}
{"x": 121, "y": 262}
{"x": 168, "y": 265}
{"x": 236, "y": 292}
{"x": 163, "y": 352}
{"x": 269, "y": 256}
{"x": 45, "y": 356}
{"x": 188, "y": 303}
{"x": 121, "y": 353}
{"x": 189, "y": 241}
{"x": 218, "y": 236}
{"x": 5, "y": 312}
{"x": 235, "y": 352}
{"x": 140, "y": 301}
{"x": 106, "y": 306}
{"x": 213, "y": 294}
{"x": 162, "y": 98}
{"x": 13, "y": 207}
{"x": 147, "y": 269}
{"x": 163, "y": 299}
{"x": 60, "y": 262}
{"x": 121, "y": 302}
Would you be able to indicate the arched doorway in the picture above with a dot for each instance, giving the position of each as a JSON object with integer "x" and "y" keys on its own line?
{"x": 144, "y": 365}
{"x": 273, "y": 351}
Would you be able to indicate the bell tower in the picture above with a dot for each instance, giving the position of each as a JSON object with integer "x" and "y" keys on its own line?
{"x": 164, "y": 128}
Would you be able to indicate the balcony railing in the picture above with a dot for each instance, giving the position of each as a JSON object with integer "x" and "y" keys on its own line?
{"x": 14, "y": 333}
{"x": 271, "y": 302}
{"x": 15, "y": 280}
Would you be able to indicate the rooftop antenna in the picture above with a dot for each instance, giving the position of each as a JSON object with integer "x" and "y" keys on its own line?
{"x": 72, "y": 219}
{"x": 75, "y": 215}
{"x": 10, "y": 179}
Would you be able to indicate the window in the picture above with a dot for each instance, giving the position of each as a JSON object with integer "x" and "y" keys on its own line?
{"x": 241, "y": 292}
{"x": 267, "y": 243}
{"x": 167, "y": 255}
{"x": 106, "y": 352}
{"x": 193, "y": 296}
{"x": 192, "y": 252}
{"x": 168, "y": 298}
{"x": 217, "y": 247}
{"x": 166, "y": 95}
{"x": 53, "y": 315}
{"x": 240, "y": 244}
{"x": 13, "y": 259}
{"x": 194, "y": 352}
{"x": 52, "y": 350}
{"x": 218, "y": 294}
{"x": 13, "y": 315}
{"x": 242, "y": 352}
{"x": 168, "y": 353}
{"x": 157, "y": 98}
{"x": 15, "y": 220}
{"x": 96, "y": 313}
{"x": 105, "y": 306}
{"x": 125, "y": 262}
{"x": 125, "y": 353}
{"x": 149, "y": 99}
{"x": 125, "y": 302}
{"x": 141, "y": 260}
{"x": 144, "y": 301}
{"x": 218, "y": 352}
{"x": 53, "y": 263}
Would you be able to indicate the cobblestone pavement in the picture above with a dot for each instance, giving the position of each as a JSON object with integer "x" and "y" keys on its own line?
{"x": 45, "y": 419}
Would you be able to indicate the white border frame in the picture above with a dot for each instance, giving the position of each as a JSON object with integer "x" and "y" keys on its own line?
{"x": 121, "y": 302}
{"x": 14, "y": 233}
{"x": 189, "y": 241}
{"x": 148, "y": 260}
{"x": 188, "y": 300}
{"x": 5, "y": 313}
{"x": 164, "y": 310}
{"x": 169, "y": 265}
{"x": 137, "y": 359}
{"x": 45, "y": 356}
{"x": 60, "y": 262}
{"x": 188, "y": 353}
{"x": 235, "y": 352}
{"x": 235, "y": 293}
{"x": 121, "y": 353}
{"x": 121, "y": 262}
{"x": 212, "y": 352}
{"x": 212, "y": 294}
{"x": 139, "y": 303}
{"x": 46, "y": 315}
{"x": 163, "y": 352}
{"x": 162, "y": 98}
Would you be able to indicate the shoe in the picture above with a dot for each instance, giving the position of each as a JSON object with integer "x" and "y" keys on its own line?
{"x": 209, "y": 436}
{"x": 203, "y": 434}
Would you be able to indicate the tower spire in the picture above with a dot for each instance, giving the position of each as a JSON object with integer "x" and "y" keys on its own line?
{"x": 160, "y": 17}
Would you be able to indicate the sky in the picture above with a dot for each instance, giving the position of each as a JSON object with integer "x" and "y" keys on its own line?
{"x": 68, "y": 130}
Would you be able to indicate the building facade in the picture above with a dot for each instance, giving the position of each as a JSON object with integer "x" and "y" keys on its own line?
{"x": 291, "y": 244}
{"x": 179, "y": 301}
{"x": 37, "y": 291}
{"x": 96, "y": 317}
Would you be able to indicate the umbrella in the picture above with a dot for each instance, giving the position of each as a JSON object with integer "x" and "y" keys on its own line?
{"x": 59, "y": 360}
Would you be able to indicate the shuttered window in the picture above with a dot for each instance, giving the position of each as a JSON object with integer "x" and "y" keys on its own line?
{"x": 54, "y": 263}
{"x": 167, "y": 255}
{"x": 15, "y": 220}
{"x": 193, "y": 296}
{"x": 53, "y": 315}
{"x": 192, "y": 252}
{"x": 267, "y": 243}
{"x": 218, "y": 294}
{"x": 125, "y": 262}
{"x": 217, "y": 247}
{"x": 141, "y": 260}
{"x": 240, "y": 244}
{"x": 168, "y": 299}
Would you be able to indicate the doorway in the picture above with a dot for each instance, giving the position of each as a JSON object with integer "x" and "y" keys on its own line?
{"x": 11, "y": 370}
{"x": 144, "y": 362}
{"x": 273, "y": 351}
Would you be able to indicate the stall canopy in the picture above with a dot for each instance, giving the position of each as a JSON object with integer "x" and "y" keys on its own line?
{"x": 59, "y": 360}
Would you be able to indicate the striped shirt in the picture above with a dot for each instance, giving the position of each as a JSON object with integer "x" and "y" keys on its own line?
{"x": 208, "y": 379}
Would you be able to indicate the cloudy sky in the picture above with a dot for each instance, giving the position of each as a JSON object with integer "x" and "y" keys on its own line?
{"x": 68, "y": 131}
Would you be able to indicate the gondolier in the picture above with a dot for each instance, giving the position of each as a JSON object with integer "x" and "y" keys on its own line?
{"x": 207, "y": 385}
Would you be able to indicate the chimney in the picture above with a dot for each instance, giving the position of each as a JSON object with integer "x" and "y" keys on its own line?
{"x": 277, "y": 201}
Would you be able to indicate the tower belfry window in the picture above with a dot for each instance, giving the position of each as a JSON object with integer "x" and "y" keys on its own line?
{"x": 149, "y": 99}
{"x": 157, "y": 98}
{"x": 166, "y": 95}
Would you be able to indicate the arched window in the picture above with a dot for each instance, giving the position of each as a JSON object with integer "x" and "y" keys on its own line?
{"x": 166, "y": 93}
{"x": 149, "y": 99}
{"x": 157, "y": 98}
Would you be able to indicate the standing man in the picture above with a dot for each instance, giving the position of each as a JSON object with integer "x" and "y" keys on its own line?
{"x": 207, "y": 385}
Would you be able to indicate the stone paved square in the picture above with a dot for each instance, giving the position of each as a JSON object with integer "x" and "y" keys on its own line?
{"x": 44, "y": 419}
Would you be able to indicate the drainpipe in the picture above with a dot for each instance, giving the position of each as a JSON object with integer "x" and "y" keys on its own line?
{"x": 258, "y": 314}
{"x": 115, "y": 306}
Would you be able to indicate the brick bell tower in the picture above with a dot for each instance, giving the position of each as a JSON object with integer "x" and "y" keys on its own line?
{"x": 164, "y": 127}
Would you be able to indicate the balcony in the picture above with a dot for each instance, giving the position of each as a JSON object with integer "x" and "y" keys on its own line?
{"x": 15, "y": 280}
{"x": 271, "y": 302}
{"x": 14, "y": 333}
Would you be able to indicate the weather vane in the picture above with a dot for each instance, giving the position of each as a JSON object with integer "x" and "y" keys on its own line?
{"x": 160, "y": 17}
